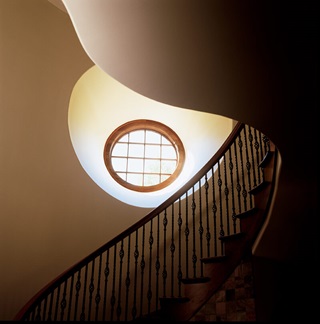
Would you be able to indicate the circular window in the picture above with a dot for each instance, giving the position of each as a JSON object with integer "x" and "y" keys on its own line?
{"x": 144, "y": 155}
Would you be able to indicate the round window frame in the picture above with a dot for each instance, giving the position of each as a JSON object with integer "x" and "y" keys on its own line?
{"x": 144, "y": 124}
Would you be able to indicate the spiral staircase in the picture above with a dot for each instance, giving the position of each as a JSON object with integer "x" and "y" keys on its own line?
{"x": 276, "y": 93}
{"x": 170, "y": 263}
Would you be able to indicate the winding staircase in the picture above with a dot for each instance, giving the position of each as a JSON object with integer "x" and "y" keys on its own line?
{"x": 170, "y": 263}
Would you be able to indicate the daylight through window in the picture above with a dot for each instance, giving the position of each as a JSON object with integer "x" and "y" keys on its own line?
{"x": 144, "y": 155}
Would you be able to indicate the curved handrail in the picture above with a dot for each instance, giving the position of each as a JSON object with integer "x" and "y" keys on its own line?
{"x": 38, "y": 297}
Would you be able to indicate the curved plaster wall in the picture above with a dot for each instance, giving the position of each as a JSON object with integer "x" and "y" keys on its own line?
{"x": 99, "y": 104}
{"x": 210, "y": 57}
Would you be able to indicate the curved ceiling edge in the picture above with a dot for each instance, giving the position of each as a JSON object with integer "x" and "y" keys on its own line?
{"x": 209, "y": 57}
{"x": 186, "y": 62}
{"x": 59, "y": 4}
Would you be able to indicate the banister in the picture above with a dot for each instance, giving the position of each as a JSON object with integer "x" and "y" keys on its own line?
{"x": 45, "y": 291}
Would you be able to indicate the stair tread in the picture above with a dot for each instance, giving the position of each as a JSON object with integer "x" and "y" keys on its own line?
{"x": 247, "y": 213}
{"x": 214, "y": 259}
{"x": 259, "y": 187}
{"x": 232, "y": 236}
{"x": 266, "y": 159}
{"x": 174, "y": 299}
{"x": 195, "y": 280}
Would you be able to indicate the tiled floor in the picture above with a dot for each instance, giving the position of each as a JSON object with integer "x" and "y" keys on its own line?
{"x": 234, "y": 302}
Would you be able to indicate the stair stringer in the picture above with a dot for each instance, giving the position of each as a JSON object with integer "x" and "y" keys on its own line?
{"x": 236, "y": 247}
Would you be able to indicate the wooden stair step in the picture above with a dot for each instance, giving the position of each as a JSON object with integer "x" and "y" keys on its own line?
{"x": 232, "y": 237}
{"x": 152, "y": 317}
{"x": 247, "y": 213}
{"x": 172, "y": 308}
{"x": 266, "y": 160}
{"x": 173, "y": 300}
{"x": 247, "y": 219}
{"x": 195, "y": 280}
{"x": 214, "y": 259}
{"x": 260, "y": 187}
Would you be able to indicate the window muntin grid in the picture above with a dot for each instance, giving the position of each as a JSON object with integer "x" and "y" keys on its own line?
{"x": 144, "y": 155}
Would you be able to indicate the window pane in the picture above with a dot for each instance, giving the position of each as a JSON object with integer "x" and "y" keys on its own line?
{"x": 153, "y": 151}
{"x": 168, "y": 166}
{"x": 152, "y": 166}
{"x": 136, "y": 150}
{"x": 120, "y": 150}
{"x": 143, "y": 156}
{"x": 137, "y": 136}
{"x": 135, "y": 165}
{"x": 168, "y": 152}
{"x": 122, "y": 175}
{"x": 135, "y": 179}
{"x": 165, "y": 141}
{"x": 119, "y": 164}
{"x": 164, "y": 177}
{"x": 124, "y": 138}
{"x": 152, "y": 137}
{"x": 151, "y": 180}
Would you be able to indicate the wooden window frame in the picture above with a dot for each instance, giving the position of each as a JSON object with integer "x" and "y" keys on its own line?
{"x": 149, "y": 125}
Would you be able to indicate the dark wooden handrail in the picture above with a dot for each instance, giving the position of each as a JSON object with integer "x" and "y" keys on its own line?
{"x": 37, "y": 298}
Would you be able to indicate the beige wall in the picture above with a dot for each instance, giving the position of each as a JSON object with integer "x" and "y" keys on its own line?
{"x": 51, "y": 213}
